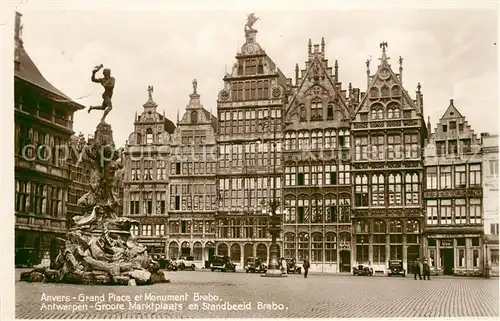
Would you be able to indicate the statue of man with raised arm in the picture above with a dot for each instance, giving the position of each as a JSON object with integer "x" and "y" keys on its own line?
{"x": 108, "y": 83}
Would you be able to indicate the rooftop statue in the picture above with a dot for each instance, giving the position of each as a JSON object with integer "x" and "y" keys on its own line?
{"x": 251, "y": 19}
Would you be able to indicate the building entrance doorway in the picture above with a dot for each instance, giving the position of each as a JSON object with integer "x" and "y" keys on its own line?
{"x": 412, "y": 255}
{"x": 447, "y": 261}
{"x": 345, "y": 261}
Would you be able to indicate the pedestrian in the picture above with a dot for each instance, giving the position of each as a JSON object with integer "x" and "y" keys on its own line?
{"x": 427, "y": 270}
{"x": 284, "y": 266}
{"x": 416, "y": 269}
{"x": 306, "y": 265}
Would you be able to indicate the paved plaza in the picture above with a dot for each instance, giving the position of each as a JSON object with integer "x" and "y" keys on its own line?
{"x": 320, "y": 295}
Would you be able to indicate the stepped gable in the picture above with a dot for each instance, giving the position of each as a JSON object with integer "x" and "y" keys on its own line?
{"x": 386, "y": 84}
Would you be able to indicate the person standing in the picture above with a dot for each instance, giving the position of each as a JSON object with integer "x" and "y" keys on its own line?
{"x": 427, "y": 270}
{"x": 284, "y": 266}
{"x": 416, "y": 269}
{"x": 306, "y": 265}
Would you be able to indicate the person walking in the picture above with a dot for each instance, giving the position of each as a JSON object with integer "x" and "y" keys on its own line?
{"x": 306, "y": 265}
{"x": 284, "y": 266}
{"x": 416, "y": 269}
{"x": 427, "y": 270}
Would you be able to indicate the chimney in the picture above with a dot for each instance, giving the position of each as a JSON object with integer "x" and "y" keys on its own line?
{"x": 18, "y": 29}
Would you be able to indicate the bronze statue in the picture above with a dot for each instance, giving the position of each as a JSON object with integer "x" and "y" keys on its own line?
{"x": 195, "y": 86}
{"x": 108, "y": 83}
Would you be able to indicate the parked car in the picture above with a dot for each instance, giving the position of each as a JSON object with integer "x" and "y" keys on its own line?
{"x": 222, "y": 263}
{"x": 185, "y": 262}
{"x": 254, "y": 264}
{"x": 396, "y": 268}
{"x": 362, "y": 269}
{"x": 291, "y": 266}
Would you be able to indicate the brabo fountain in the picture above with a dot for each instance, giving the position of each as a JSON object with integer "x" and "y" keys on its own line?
{"x": 100, "y": 249}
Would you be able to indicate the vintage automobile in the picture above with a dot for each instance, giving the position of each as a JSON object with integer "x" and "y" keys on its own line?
{"x": 396, "y": 268}
{"x": 362, "y": 269}
{"x": 185, "y": 262}
{"x": 292, "y": 266}
{"x": 254, "y": 264}
{"x": 222, "y": 263}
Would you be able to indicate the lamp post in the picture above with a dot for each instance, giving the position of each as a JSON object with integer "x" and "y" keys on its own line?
{"x": 362, "y": 249}
{"x": 486, "y": 266}
{"x": 274, "y": 212}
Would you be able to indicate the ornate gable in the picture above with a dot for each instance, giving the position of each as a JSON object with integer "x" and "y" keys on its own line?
{"x": 385, "y": 96}
{"x": 318, "y": 95}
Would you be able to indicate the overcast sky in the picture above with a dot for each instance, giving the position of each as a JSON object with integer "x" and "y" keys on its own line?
{"x": 451, "y": 52}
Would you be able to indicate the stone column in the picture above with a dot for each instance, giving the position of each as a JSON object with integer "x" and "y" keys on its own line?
{"x": 370, "y": 249}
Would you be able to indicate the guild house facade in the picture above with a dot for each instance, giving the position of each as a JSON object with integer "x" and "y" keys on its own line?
{"x": 145, "y": 181}
{"x": 43, "y": 127}
{"x": 489, "y": 153}
{"x": 454, "y": 197}
{"x": 388, "y": 131}
{"x": 317, "y": 184}
{"x": 249, "y": 109}
{"x": 192, "y": 197}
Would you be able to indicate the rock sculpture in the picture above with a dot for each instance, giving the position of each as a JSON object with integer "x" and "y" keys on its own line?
{"x": 99, "y": 248}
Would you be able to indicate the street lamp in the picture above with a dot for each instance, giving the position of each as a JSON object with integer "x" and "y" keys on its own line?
{"x": 362, "y": 249}
{"x": 486, "y": 267}
{"x": 273, "y": 211}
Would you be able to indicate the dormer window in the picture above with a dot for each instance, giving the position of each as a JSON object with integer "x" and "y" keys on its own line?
{"x": 329, "y": 112}
{"x": 194, "y": 117}
{"x": 149, "y": 136}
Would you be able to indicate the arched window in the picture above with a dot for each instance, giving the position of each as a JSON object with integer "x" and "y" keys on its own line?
{"x": 149, "y": 136}
{"x": 379, "y": 226}
{"x": 329, "y": 112}
{"x": 412, "y": 226}
{"x": 303, "y": 115}
{"x": 248, "y": 250}
{"x": 235, "y": 252}
{"x": 395, "y": 190}
{"x": 374, "y": 92}
{"x": 397, "y": 114}
{"x": 380, "y": 114}
{"x": 385, "y": 91}
{"x": 316, "y": 109}
{"x": 317, "y": 208}
{"x": 317, "y": 247}
{"x": 378, "y": 190}
{"x": 379, "y": 241}
{"x": 262, "y": 252}
{"x": 373, "y": 114}
{"x": 330, "y": 247}
{"x": 222, "y": 249}
{"x": 290, "y": 245}
{"x": 303, "y": 246}
{"x": 303, "y": 209}
{"x": 314, "y": 140}
{"x": 194, "y": 117}
{"x": 197, "y": 251}
{"x": 344, "y": 208}
{"x": 390, "y": 113}
{"x": 395, "y": 90}
{"x": 330, "y": 208}
{"x": 293, "y": 141}
{"x": 362, "y": 227}
{"x": 361, "y": 190}
{"x": 173, "y": 250}
{"x": 396, "y": 227}
{"x": 411, "y": 189}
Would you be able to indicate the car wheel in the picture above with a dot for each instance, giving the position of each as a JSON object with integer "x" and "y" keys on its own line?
{"x": 223, "y": 270}
{"x": 193, "y": 267}
{"x": 212, "y": 270}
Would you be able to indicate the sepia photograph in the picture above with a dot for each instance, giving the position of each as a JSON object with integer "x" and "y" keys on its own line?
{"x": 251, "y": 160}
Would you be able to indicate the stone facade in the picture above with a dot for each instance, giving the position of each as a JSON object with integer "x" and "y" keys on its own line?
{"x": 317, "y": 185}
{"x": 43, "y": 127}
{"x": 453, "y": 197}
{"x": 146, "y": 179}
{"x": 490, "y": 200}
{"x": 192, "y": 196}
{"x": 388, "y": 132}
{"x": 249, "y": 110}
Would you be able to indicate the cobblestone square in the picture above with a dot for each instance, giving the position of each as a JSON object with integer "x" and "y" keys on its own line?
{"x": 319, "y": 296}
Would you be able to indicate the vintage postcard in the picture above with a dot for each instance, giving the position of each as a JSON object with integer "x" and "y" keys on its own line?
{"x": 251, "y": 160}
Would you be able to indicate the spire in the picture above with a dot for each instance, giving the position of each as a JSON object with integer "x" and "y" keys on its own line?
{"x": 177, "y": 117}
{"x": 309, "y": 46}
{"x": 451, "y": 102}
{"x": 296, "y": 74}
{"x": 135, "y": 116}
{"x": 336, "y": 70}
{"x": 400, "y": 69}
{"x": 384, "y": 45}
{"x": 428, "y": 125}
{"x": 323, "y": 45}
{"x": 368, "y": 71}
{"x": 18, "y": 30}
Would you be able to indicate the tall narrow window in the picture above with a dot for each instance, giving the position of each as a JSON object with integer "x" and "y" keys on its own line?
{"x": 431, "y": 177}
{"x": 411, "y": 189}
{"x": 361, "y": 188}
{"x": 194, "y": 117}
{"x": 445, "y": 212}
{"x": 432, "y": 212}
{"x": 378, "y": 190}
{"x": 445, "y": 177}
{"x": 395, "y": 190}
{"x": 475, "y": 175}
{"x": 149, "y": 136}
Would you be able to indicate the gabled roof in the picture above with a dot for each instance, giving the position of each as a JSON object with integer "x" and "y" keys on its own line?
{"x": 392, "y": 77}
{"x": 451, "y": 112}
{"x": 212, "y": 118}
{"x": 29, "y": 72}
